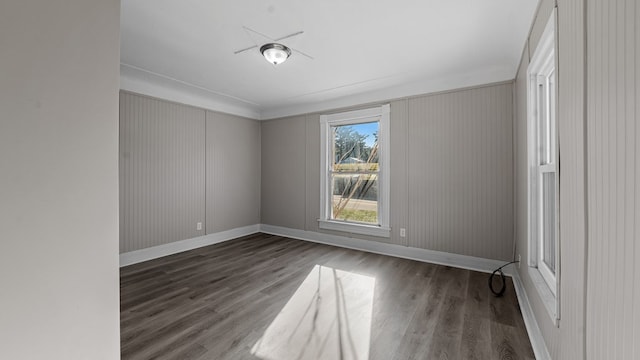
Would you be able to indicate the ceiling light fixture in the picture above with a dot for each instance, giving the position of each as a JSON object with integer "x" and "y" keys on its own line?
{"x": 275, "y": 53}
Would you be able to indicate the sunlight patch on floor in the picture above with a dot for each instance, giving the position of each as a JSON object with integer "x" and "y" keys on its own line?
{"x": 328, "y": 317}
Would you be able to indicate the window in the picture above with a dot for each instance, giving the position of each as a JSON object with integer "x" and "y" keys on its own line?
{"x": 543, "y": 168}
{"x": 355, "y": 176}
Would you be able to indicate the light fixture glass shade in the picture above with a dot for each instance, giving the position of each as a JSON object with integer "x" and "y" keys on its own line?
{"x": 275, "y": 53}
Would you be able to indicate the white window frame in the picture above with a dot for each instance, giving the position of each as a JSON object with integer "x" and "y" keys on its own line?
{"x": 542, "y": 66}
{"x": 382, "y": 115}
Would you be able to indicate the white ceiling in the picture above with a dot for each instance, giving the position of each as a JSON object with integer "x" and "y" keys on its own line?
{"x": 363, "y": 50}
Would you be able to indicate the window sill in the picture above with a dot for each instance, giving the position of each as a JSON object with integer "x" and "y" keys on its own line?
{"x": 549, "y": 300}
{"x": 362, "y": 229}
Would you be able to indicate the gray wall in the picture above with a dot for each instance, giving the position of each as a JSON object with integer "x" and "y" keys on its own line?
{"x": 180, "y": 165}
{"x": 572, "y": 127}
{"x": 284, "y": 172}
{"x": 451, "y": 175}
{"x": 59, "y": 79}
{"x": 162, "y": 172}
{"x": 233, "y": 172}
{"x": 459, "y": 172}
{"x": 613, "y": 176}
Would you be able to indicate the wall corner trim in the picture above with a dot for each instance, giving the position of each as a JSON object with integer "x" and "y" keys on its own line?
{"x": 530, "y": 322}
{"x": 401, "y": 251}
{"x": 138, "y": 256}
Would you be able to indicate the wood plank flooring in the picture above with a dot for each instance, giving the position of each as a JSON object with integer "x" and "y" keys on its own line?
{"x": 269, "y": 297}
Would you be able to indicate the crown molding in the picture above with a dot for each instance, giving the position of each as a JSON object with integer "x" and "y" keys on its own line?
{"x": 146, "y": 82}
{"x": 323, "y": 102}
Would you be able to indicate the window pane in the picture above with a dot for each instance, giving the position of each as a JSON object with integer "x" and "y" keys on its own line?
{"x": 552, "y": 118}
{"x": 543, "y": 119}
{"x": 355, "y": 197}
{"x": 546, "y": 117}
{"x": 355, "y": 147}
{"x": 549, "y": 220}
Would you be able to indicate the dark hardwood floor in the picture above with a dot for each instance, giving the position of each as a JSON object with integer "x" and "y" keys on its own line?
{"x": 269, "y": 297}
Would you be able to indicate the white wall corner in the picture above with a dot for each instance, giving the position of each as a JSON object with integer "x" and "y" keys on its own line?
{"x": 138, "y": 256}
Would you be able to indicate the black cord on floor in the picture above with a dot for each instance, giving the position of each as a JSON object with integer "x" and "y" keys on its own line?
{"x": 503, "y": 286}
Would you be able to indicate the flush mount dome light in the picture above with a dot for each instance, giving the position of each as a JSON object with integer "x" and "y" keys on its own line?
{"x": 275, "y": 53}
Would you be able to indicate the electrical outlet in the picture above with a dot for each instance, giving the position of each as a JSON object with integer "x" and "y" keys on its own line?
{"x": 518, "y": 261}
{"x": 199, "y": 226}
{"x": 403, "y": 232}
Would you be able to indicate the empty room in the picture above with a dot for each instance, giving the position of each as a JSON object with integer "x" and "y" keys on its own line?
{"x": 276, "y": 180}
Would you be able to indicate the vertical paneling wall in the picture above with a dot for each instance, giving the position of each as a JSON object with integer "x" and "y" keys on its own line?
{"x": 283, "y": 172}
{"x": 460, "y": 172}
{"x": 162, "y": 164}
{"x": 312, "y": 204}
{"x": 179, "y": 166}
{"x": 613, "y": 128}
{"x": 571, "y": 133}
{"x": 451, "y": 163}
{"x": 399, "y": 196}
{"x": 233, "y": 172}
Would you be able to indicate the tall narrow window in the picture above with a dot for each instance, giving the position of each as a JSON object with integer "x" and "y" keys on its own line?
{"x": 545, "y": 173}
{"x": 355, "y": 179}
{"x": 543, "y": 167}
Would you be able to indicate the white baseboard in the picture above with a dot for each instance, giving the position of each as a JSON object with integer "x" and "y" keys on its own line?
{"x": 430, "y": 256}
{"x": 535, "y": 336}
{"x": 137, "y": 256}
